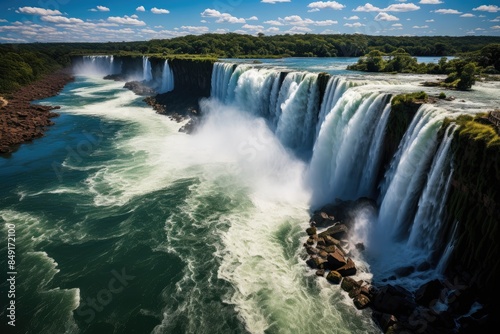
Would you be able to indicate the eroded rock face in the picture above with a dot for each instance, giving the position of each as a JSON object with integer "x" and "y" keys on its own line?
{"x": 20, "y": 120}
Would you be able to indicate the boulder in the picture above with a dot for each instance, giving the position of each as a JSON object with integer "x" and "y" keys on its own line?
{"x": 322, "y": 219}
{"x": 320, "y": 272}
{"x": 329, "y": 241}
{"x": 361, "y": 301}
{"x": 336, "y": 259}
{"x": 349, "y": 283}
{"x": 429, "y": 292}
{"x": 311, "y": 230}
{"x": 311, "y": 250}
{"x": 316, "y": 263}
{"x": 349, "y": 269}
{"x": 334, "y": 277}
{"x": 394, "y": 300}
{"x": 384, "y": 320}
{"x": 338, "y": 231}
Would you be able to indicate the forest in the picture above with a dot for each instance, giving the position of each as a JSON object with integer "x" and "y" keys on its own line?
{"x": 21, "y": 64}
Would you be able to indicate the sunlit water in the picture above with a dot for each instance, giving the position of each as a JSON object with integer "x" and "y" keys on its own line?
{"x": 125, "y": 225}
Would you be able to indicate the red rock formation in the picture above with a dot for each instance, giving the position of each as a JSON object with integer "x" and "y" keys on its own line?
{"x": 20, "y": 120}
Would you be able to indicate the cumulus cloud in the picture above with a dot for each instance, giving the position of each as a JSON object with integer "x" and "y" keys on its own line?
{"x": 430, "y": 2}
{"x": 325, "y": 5}
{"x": 195, "y": 29}
{"x": 155, "y": 10}
{"x": 126, "y": 20}
{"x": 274, "y": 1}
{"x": 221, "y": 17}
{"x": 38, "y": 11}
{"x": 352, "y": 18}
{"x": 447, "y": 11}
{"x": 420, "y": 27}
{"x": 400, "y": 7}
{"x": 296, "y": 20}
{"x": 367, "y": 8}
{"x": 60, "y": 19}
{"x": 140, "y": 9}
{"x": 488, "y": 8}
{"x": 102, "y": 9}
{"x": 354, "y": 25}
{"x": 253, "y": 18}
{"x": 385, "y": 17}
{"x": 252, "y": 27}
{"x": 467, "y": 15}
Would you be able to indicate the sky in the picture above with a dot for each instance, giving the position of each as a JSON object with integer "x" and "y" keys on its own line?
{"x": 24, "y": 21}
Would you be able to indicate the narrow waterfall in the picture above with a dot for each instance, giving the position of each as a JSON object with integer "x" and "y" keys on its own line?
{"x": 167, "y": 78}
{"x": 147, "y": 71}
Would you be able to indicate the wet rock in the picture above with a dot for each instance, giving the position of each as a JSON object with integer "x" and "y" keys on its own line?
{"x": 361, "y": 301}
{"x": 320, "y": 272}
{"x": 338, "y": 231}
{"x": 349, "y": 283}
{"x": 429, "y": 292}
{"x": 334, "y": 277}
{"x": 311, "y": 230}
{"x": 349, "y": 269}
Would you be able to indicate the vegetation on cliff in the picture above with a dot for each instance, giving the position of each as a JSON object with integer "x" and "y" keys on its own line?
{"x": 461, "y": 71}
{"x": 22, "y": 66}
{"x": 474, "y": 202}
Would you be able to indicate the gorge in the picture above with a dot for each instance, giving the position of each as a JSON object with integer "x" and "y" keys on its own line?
{"x": 219, "y": 216}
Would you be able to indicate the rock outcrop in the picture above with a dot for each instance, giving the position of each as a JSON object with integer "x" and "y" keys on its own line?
{"x": 22, "y": 121}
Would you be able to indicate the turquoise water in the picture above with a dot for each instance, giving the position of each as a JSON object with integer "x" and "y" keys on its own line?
{"x": 125, "y": 225}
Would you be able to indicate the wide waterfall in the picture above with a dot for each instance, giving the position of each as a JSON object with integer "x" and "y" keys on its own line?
{"x": 98, "y": 65}
{"x": 341, "y": 139}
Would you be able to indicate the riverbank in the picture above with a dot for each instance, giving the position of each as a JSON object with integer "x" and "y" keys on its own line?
{"x": 21, "y": 121}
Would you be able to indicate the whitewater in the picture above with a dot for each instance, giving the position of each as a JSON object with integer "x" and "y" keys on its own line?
{"x": 209, "y": 227}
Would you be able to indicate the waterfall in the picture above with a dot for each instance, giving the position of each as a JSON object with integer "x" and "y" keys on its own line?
{"x": 98, "y": 65}
{"x": 427, "y": 223}
{"x": 407, "y": 174}
{"x": 147, "y": 72}
{"x": 167, "y": 78}
{"x": 341, "y": 157}
{"x": 345, "y": 140}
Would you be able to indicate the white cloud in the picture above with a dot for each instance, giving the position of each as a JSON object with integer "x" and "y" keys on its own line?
{"x": 367, "y": 8}
{"x": 468, "y": 15}
{"x": 479, "y": 29}
{"x": 430, "y": 2}
{"x": 196, "y": 29}
{"x": 296, "y": 20}
{"x": 134, "y": 16}
{"x": 155, "y": 10}
{"x": 352, "y": 18}
{"x": 354, "y": 25}
{"x": 397, "y": 25}
{"x": 126, "y": 20}
{"x": 497, "y": 19}
{"x": 221, "y": 17}
{"x": 253, "y": 18}
{"x": 420, "y": 27}
{"x": 3, "y": 20}
{"x": 274, "y": 1}
{"x": 385, "y": 17}
{"x": 447, "y": 11}
{"x": 102, "y": 9}
{"x": 273, "y": 30}
{"x": 38, "y": 11}
{"x": 140, "y": 9}
{"x": 495, "y": 27}
{"x": 488, "y": 8}
{"x": 274, "y": 23}
{"x": 313, "y": 10}
{"x": 326, "y": 5}
{"x": 299, "y": 30}
{"x": 60, "y": 19}
{"x": 252, "y": 27}
{"x": 428, "y": 21}
{"x": 402, "y": 7}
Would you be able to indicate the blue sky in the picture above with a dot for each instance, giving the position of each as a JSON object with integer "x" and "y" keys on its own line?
{"x": 125, "y": 20}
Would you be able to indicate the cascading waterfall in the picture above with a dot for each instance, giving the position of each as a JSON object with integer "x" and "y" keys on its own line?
{"x": 407, "y": 174}
{"x": 345, "y": 135}
{"x": 341, "y": 157}
{"x": 167, "y": 78}
{"x": 147, "y": 71}
{"x": 99, "y": 65}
